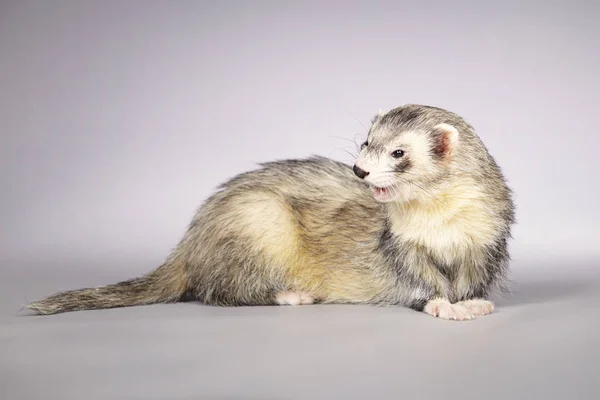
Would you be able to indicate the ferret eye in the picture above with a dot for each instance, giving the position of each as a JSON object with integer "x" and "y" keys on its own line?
{"x": 398, "y": 153}
{"x": 365, "y": 144}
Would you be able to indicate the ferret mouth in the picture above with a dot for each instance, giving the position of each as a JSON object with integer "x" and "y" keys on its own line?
{"x": 381, "y": 190}
{"x": 383, "y": 194}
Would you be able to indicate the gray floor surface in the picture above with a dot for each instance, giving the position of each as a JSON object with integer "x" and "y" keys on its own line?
{"x": 542, "y": 343}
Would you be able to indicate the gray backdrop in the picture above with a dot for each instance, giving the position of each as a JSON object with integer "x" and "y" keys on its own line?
{"x": 118, "y": 118}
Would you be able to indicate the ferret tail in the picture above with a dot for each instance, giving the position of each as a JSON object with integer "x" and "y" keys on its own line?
{"x": 166, "y": 284}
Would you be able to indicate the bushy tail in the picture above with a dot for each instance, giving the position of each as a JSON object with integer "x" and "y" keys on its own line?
{"x": 166, "y": 284}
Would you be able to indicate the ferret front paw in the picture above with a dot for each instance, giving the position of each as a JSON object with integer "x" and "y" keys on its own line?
{"x": 293, "y": 298}
{"x": 478, "y": 306}
{"x": 443, "y": 309}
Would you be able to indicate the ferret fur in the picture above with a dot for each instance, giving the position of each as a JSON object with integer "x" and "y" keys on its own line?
{"x": 310, "y": 230}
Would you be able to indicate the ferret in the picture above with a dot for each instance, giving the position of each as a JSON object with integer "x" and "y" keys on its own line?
{"x": 421, "y": 220}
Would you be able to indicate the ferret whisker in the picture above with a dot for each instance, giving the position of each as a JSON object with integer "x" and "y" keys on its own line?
{"x": 353, "y": 156}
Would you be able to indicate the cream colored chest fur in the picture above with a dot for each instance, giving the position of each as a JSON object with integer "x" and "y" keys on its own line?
{"x": 449, "y": 228}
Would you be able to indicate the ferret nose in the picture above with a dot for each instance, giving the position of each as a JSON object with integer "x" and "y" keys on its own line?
{"x": 361, "y": 173}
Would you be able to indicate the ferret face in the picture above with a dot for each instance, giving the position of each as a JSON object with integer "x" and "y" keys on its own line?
{"x": 400, "y": 160}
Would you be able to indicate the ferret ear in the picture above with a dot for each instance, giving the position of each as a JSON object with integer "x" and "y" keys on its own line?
{"x": 377, "y": 117}
{"x": 445, "y": 138}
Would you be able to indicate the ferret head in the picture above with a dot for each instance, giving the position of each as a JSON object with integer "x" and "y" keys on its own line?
{"x": 408, "y": 149}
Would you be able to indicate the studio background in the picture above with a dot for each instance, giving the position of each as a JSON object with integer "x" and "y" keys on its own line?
{"x": 118, "y": 118}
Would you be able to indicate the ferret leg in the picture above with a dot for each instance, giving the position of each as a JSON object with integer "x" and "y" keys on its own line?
{"x": 422, "y": 273}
